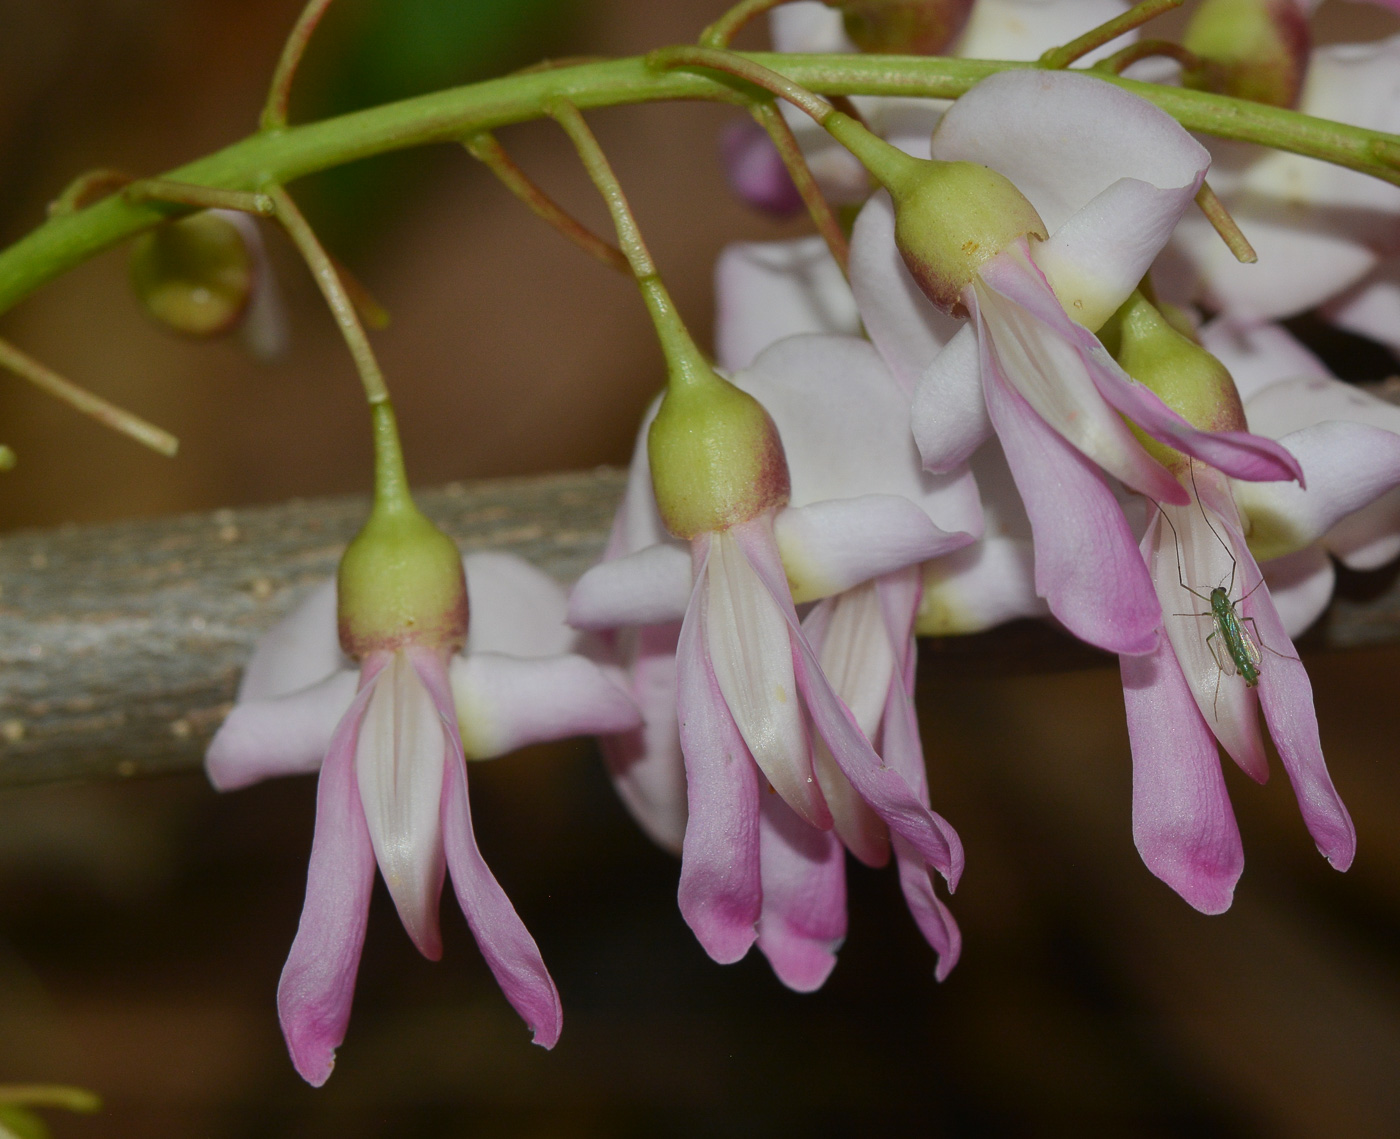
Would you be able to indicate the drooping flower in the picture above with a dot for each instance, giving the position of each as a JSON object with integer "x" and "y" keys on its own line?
{"x": 751, "y": 685}
{"x": 1037, "y": 230}
{"x": 1226, "y": 651}
{"x": 389, "y": 738}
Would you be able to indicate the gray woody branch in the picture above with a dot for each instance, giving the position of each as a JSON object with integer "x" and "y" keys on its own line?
{"x": 121, "y": 644}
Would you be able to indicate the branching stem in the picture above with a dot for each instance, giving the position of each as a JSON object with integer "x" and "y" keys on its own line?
{"x": 274, "y": 115}
{"x": 823, "y": 216}
{"x": 1061, "y": 57}
{"x": 722, "y": 32}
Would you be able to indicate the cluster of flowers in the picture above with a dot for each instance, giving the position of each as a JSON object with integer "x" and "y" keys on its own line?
{"x": 1025, "y": 429}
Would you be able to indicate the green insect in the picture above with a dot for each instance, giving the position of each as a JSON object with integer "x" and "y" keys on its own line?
{"x": 1234, "y": 642}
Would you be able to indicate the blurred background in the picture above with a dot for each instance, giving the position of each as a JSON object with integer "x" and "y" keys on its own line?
{"x": 143, "y": 926}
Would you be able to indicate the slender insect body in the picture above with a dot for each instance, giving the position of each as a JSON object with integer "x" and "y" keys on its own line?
{"x": 1242, "y": 653}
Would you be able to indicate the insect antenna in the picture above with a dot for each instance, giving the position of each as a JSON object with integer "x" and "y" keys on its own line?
{"x": 1180, "y": 571}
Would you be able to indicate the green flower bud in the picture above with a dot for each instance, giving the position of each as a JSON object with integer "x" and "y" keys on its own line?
{"x": 903, "y": 27}
{"x": 400, "y": 580}
{"x": 716, "y": 458}
{"x": 1251, "y": 49}
{"x": 1189, "y": 379}
{"x": 949, "y": 217}
{"x": 193, "y": 275}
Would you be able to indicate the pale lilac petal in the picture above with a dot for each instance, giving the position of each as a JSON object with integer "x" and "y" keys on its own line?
{"x": 302, "y": 649}
{"x": 844, "y": 423}
{"x": 930, "y": 914}
{"x": 1023, "y": 29}
{"x": 807, "y": 26}
{"x": 1183, "y": 825}
{"x": 646, "y": 765}
{"x": 1063, "y": 398}
{"x": 318, "y": 981}
{"x": 979, "y": 587}
{"x": 1348, "y": 465}
{"x": 1195, "y": 554}
{"x": 848, "y": 634}
{"x": 285, "y": 735}
{"x": 1257, "y": 355}
{"x": 751, "y": 655}
{"x": 515, "y": 608}
{"x": 1285, "y": 694}
{"x": 1087, "y": 566}
{"x": 637, "y": 523}
{"x": 803, "y": 921}
{"x": 505, "y": 702}
{"x": 1064, "y": 138}
{"x": 1372, "y": 308}
{"x": 901, "y": 321}
{"x": 510, "y": 952}
{"x": 767, "y": 291}
{"x": 263, "y": 327}
{"x": 720, "y": 893}
{"x": 1301, "y": 586}
{"x": 950, "y": 414}
{"x": 399, "y": 758}
{"x": 650, "y": 587}
{"x": 755, "y": 169}
{"x": 883, "y": 788}
{"x": 1370, "y": 538}
{"x": 831, "y": 546}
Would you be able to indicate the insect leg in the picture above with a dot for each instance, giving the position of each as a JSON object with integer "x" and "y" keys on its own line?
{"x": 1259, "y": 641}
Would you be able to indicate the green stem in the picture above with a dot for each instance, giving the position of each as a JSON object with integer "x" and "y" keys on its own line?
{"x": 274, "y": 115}
{"x": 276, "y": 157}
{"x": 1061, "y": 57}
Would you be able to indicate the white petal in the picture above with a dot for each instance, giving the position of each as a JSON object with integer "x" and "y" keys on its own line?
{"x": 649, "y": 587}
{"x": 833, "y": 545}
{"x": 1372, "y": 308}
{"x": 515, "y": 608}
{"x": 504, "y": 702}
{"x": 984, "y": 585}
{"x": 769, "y": 290}
{"x": 1024, "y": 29}
{"x": 807, "y": 26}
{"x": 949, "y": 417}
{"x": 750, "y": 649}
{"x": 300, "y": 650}
{"x": 1301, "y": 586}
{"x": 1257, "y": 355}
{"x": 399, "y": 767}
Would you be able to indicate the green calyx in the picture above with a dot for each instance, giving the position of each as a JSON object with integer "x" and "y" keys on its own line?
{"x": 1250, "y": 49}
{"x": 716, "y": 459}
{"x": 950, "y": 217}
{"x": 903, "y": 27}
{"x": 400, "y": 580}
{"x": 193, "y": 275}
{"x": 1189, "y": 379}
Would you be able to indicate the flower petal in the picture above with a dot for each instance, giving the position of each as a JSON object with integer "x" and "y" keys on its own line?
{"x": 1192, "y": 550}
{"x": 906, "y": 329}
{"x": 1183, "y": 824}
{"x": 1237, "y": 453}
{"x": 720, "y": 893}
{"x": 318, "y": 981}
{"x": 1258, "y": 355}
{"x": 504, "y": 702}
{"x": 1023, "y": 29}
{"x": 1301, "y": 586}
{"x": 807, "y": 26}
{"x": 1286, "y": 697}
{"x": 650, "y": 587}
{"x": 300, "y": 650}
{"x": 755, "y": 169}
{"x": 1087, "y": 566}
{"x": 646, "y": 765}
{"x": 950, "y": 414}
{"x": 399, "y": 763}
{"x": 1064, "y": 138}
{"x": 510, "y": 952}
{"x": 844, "y": 423}
{"x": 285, "y": 735}
{"x": 980, "y": 586}
{"x": 803, "y": 921}
{"x": 833, "y": 545}
{"x": 767, "y": 291}
{"x": 515, "y": 608}
{"x": 1348, "y": 466}
{"x": 1025, "y": 337}
{"x": 884, "y": 789}
{"x": 750, "y": 652}
{"x": 1372, "y": 308}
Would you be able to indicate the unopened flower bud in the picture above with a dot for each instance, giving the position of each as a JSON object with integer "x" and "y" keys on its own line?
{"x": 903, "y": 27}
{"x": 1251, "y": 49}
{"x": 194, "y": 275}
{"x": 1189, "y": 379}
{"x": 716, "y": 458}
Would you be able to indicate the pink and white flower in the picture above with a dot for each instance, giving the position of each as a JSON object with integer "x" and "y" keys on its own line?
{"x": 1027, "y": 365}
{"x": 753, "y": 698}
{"x": 389, "y": 739}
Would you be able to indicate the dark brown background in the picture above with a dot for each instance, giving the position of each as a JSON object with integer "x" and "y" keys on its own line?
{"x": 142, "y": 926}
